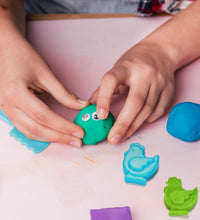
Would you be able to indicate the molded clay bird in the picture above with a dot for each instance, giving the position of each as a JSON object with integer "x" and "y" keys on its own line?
{"x": 178, "y": 200}
{"x": 137, "y": 167}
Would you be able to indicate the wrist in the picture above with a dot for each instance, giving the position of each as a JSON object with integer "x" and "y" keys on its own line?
{"x": 12, "y": 16}
{"x": 11, "y": 35}
{"x": 167, "y": 51}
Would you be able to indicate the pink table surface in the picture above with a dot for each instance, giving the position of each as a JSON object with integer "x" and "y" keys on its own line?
{"x": 64, "y": 182}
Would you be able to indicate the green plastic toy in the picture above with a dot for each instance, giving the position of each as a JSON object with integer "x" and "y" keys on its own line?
{"x": 95, "y": 129}
{"x": 178, "y": 200}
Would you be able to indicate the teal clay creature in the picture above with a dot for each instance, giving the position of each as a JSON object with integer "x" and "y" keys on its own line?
{"x": 96, "y": 130}
{"x": 137, "y": 167}
{"x": 178, "y": 200}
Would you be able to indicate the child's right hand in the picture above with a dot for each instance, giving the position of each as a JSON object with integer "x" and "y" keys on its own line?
{"x": 22, "y": 73}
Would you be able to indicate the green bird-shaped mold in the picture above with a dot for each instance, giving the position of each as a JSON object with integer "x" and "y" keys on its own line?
{"x": 178, "y": 200}
{"x": 95, "y": 129}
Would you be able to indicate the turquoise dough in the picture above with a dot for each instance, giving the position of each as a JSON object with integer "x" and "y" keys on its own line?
{"x": 184, "y": 121}
{"x": 95, "y": 129}
{"x": 137, "y": 167}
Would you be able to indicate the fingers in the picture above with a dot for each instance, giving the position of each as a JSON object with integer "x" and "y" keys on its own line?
{"x": 162, "y": 104}
{"x": 134, "y": 103}
{"x": 120, "y": 89}
{"x": 41, "y": 114}
{"x": 35, "y": 131}
{"x": 26, "y": 71}
{"x": 147, "y": 100}
{"x": 59, "y": 92}
{"x": 105, "y": 93}
{"x": 38, "y": 121}
{"x": 154, "y": 108}
{"x": 147, "y": 109}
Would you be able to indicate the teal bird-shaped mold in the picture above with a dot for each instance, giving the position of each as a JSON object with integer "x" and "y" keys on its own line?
{"x": 178, "y": 200}
{"x": 137, "y": 167}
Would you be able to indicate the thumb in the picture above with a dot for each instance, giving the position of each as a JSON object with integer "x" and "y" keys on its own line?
{"x": 54, "y": 87}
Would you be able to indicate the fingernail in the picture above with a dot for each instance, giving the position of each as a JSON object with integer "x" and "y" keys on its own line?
{"x": 75, "y": 143}
{"x": 83, "y": 102}
{"x": 115, "y": 139}
{"x": 77, "y": 134}
{"x": 101, "y": 113}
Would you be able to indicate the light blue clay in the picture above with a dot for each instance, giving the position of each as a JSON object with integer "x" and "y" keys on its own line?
{"x": 137, "y": 167}
{"x": 184, "y": 121}
{"x": 35, "y": 146}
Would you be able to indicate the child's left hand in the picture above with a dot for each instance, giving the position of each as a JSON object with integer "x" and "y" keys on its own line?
{"x": 146, "y": 73}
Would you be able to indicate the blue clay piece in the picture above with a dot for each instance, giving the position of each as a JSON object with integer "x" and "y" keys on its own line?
{"x": 116, "y": 213}
{"x": 184, "y": 121}
{"x": 35, "y": 146}
{"x": 137, "y": 167}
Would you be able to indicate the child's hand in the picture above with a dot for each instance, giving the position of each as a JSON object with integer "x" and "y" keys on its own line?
{"x": 22, "y": 73}
{"x": 146, "y": 73}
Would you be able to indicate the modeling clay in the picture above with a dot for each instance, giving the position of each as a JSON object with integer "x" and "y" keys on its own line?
{"x": 178, "y": 200}
{"x": 137, "y": 167}
{"x": 118, "y": 213}
{"x": 95, "y": 129}
{"x": 184, "y": 121}
{"x": 35, "y": 146}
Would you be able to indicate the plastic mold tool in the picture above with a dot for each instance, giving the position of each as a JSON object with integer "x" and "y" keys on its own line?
{"x": 116, "y": 213}
{"x": 35, "y": 146}
{"x": 137, "y": 167}
{"x": 178, "y": 200}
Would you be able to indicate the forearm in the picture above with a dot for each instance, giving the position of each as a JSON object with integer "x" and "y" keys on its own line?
{"x": 12, "y": 18}
{"x": 179, "y": 38}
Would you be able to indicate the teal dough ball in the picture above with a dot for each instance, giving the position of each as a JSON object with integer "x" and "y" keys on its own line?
{"x": 96, "y": 130}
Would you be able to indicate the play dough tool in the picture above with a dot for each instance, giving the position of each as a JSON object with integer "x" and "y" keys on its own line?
{"x": 35, "y": 146}
{"x": 184, "y": 121}
{"x": 178, "y": 200}
{"x": 137, "y": 167}
{"x": 116, "y": 213}
{"x": 95, "y": 129}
